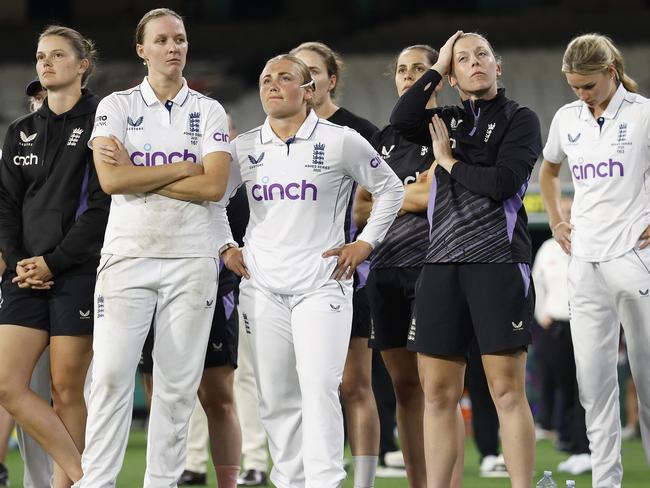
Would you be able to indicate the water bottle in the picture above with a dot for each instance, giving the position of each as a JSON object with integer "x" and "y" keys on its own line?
{"x": 570, "y": 484}
{"x": 546, "y": 481}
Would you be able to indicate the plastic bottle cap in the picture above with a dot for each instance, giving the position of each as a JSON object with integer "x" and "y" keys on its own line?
{"x": 548, "y": 473}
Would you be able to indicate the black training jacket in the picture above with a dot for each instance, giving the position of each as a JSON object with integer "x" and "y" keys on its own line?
{"x": 476, "y": 213}
{"x": 51, "y": 203}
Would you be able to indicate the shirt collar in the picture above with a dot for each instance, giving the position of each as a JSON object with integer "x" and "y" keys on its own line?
{"x": 150, "y": 98}
{"x": 612, "y": 107}
{"x": 304, "y": 132}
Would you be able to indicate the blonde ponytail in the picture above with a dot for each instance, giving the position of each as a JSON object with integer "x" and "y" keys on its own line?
{"x": 594, "y": 53}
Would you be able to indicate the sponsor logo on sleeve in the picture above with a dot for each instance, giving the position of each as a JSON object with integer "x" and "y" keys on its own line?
{"x": 101, "y": 120}
{"x": 221, "y": 137}
{"x": 375, "y": 161}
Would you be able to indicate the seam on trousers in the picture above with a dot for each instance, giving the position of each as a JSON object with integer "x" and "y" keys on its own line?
{"x": 641, "y": 260}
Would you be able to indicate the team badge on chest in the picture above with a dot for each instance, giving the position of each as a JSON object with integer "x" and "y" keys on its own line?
{"x": 194, "y": 127}
{"x": 622, "y": 137}
{"x": 318, "y": 158}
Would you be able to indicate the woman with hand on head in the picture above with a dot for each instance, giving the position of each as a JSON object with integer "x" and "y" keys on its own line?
{"x": 52, "y": 219}
{"x": 161, "y": 150}
{"x": 296, "y": 303}
{"x": 604, "y": 138}
{"x": 326, "y": 68}
{"x": 476, "y": 280}
{"x": 396, "y": 264}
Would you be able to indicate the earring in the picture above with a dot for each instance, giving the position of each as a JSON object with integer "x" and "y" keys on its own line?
{"x": 144, "y": 62}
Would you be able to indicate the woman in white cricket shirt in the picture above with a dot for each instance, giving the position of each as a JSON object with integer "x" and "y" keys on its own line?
{"x": 605, "y": 137}
{"x": 296, "y": 303}
{"x": 161, "y": 150}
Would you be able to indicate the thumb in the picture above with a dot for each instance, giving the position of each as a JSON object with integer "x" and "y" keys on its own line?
{"x": 336, "y": 251}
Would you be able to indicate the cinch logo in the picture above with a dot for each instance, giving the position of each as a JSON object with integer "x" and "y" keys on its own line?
{"x": 28, "y": 160}
{"x": 158, "y": 158}
{"x": 292, "y": 191}
{"x": 374, "y": 162}
{"x": 411, "y": 178}
{"x": 597, "y": 170}
{"x": 221, "y": 137}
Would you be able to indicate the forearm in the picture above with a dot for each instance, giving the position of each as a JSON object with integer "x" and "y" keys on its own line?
{"x": 549, "y": 185}
{"x": 416, "y": 197}
{"x": 410, "y": 117}
{"x": 200, "y": 188}
{"x": 384, "y": 210}
{"x": 361, "y": 212}
{"x": 127, "y": 180}
{"x": 496, "y": 182}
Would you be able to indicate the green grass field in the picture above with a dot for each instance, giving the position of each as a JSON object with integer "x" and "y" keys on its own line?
{"x": 637, "y": 474}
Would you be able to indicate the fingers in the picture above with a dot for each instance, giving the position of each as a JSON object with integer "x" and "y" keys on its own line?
{"x": 441, "y": 128}
{"x": 438, "y": 129}
{"x": 235, "y": 263}
{"x": 333, "y": 252}
{"x": 118, "y": 143}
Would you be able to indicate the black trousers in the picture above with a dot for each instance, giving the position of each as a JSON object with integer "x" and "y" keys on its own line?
{"x": 561, "y": 357}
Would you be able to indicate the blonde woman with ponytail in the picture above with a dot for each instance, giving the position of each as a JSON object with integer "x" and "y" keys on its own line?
{"x": 604, "y": 136}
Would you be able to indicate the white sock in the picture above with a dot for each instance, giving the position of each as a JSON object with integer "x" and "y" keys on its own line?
{"x": 365, "y": 468}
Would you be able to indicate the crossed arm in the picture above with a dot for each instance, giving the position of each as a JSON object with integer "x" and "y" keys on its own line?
{"x": 183, "y": 180}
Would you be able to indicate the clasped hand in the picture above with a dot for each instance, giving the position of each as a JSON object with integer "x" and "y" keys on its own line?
{"x": 33, "y": 273}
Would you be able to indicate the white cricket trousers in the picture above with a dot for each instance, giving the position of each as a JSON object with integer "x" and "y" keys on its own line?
{"x": 602, "y": 296}
{"x": 198, "y": 438}
{"x": 181, "y": 293}
{"x": 253, "y": 448}
{"x": 299, "y": 344}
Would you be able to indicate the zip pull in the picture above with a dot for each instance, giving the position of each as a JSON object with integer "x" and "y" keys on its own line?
{"x": 476, "y": 116}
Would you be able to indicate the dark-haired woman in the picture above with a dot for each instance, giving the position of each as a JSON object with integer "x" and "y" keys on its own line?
{"x": 476, "y": 279}
{"x": 52, "y": 219}
{"x": 162, "y": 151}
{"x": 326, "y": 68}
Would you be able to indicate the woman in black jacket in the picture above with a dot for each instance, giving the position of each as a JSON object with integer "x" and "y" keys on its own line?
{"x": 476, "y": 278}
{"x": 52, "y": 219}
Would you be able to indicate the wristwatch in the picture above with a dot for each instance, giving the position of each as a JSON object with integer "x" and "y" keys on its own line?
{"x": 225, "y": 247}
